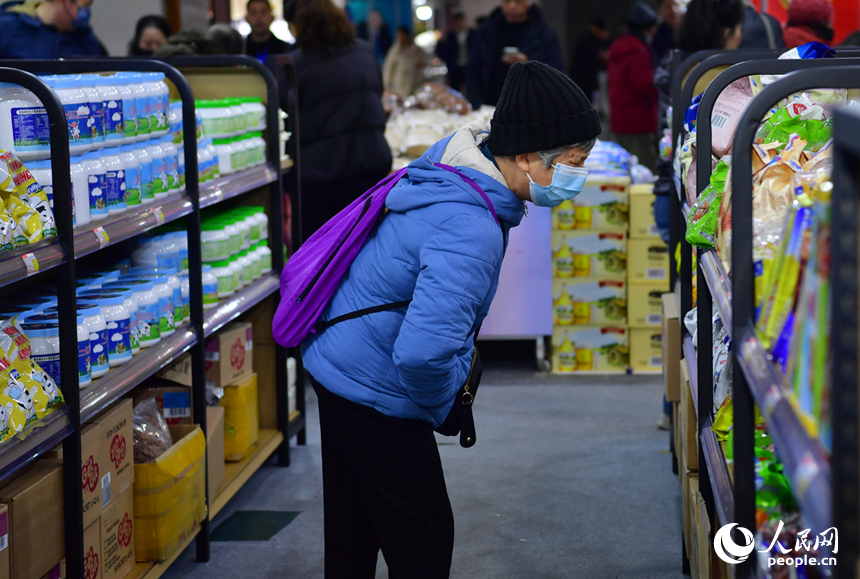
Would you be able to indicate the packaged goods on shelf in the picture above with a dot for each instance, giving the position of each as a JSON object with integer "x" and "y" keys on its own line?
{"x": 229, "y": 354}
{"x": 586, "y": 301}
{"x": 648, "y": 261}
{"x": 152, "y": 437}
{"x": 589, "y": 254}
{"x": 116, "y": 438}
{"x": 642, "y": 212}
{"x": 646, "y": 349}
{"x": 169, "y": 495}
{"x": 173, "y": 402}
{"x": 118, "y": 537}
{"x": 25, "y": 214}
{"x": 34, "y": 501}
{"x": 215, "y": 449}
{"x": 5, "y": 569}
{"x": 590, "y": 349}
{"x": 671, "y": 340}
{"x": 645, "y": 305}
{"x": 241, "y": 418}
{"x": 603, "y": 204}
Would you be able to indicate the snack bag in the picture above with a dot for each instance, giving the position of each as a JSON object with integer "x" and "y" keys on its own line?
{"x": 34, "y": 216}
{"x": 7, "y": 228}
{"x": 704, "y": 214}
{"x": 727, "y": 112}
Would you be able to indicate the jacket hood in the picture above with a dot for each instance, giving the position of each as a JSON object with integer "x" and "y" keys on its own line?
{"x": 434, "y": 185}
{"x": 626, "y": 45}
{"x": 28, "y": 7}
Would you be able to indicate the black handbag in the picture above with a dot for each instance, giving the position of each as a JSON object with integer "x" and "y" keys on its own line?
{"x": 460, "y": 420}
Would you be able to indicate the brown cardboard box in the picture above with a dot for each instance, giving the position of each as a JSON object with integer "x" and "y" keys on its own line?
{"x": 706, "y": 556}
{"x": 642, "y": 212}
{"x": 229, "y": 354}
{"x": 116, "y": 435}
{"x": 646, "y": 350}
{"x": 95, "y": 473}
{"x": 174, "y": 402}
{"x": 58, "y": 572}
{"x": 691, "y": 482}
{"x": 671, "y": 348}
{"x": 645, "y": 305}
{"x": 693, "y": 548}
{"x": 36, "y": 529}
{"x": 647, "y": 261}
{"x": 117, "y": 537}
{"x": 5, "y": 571}
{"x": 93, "y": 551}
{"x": 676, "y": 429}
{"x": 215, "y": 448}
{"x": 689, "y": 420}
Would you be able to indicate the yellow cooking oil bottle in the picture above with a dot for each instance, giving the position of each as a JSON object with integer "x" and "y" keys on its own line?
{"x": 564, "y": 308}
{"x": 564, "y": 260}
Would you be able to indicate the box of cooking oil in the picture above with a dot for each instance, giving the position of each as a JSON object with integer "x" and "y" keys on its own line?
{"x": 601, "y": 205}
{"x": 604, "y": 349}
{"x": 584, "y": 253}
{"x": 586, "y": 301}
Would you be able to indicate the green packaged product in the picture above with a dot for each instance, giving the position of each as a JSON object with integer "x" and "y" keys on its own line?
{"x": 705, "y": 213}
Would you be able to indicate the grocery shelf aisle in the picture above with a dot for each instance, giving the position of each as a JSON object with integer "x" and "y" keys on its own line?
{"x": 570, "y": 478}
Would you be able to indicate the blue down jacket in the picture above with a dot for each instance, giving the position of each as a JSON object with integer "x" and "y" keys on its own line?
{"x": 439, "y": 246}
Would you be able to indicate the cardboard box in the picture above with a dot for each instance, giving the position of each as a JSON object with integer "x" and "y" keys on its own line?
{"x": 116, "y": 435}
{"x": 671, "y": 333}
{"x": 5, "y": 570}
{"x": 95, "y": 474}
{"x": 642, "y": 224}
{"x": 706, "y": 557}
{"x": 646, "y": 350}
{"x": 174, "y": 402}
{"x": 229, "y": 354}
{"x": 241, "y": 419}
{"x": 215, "y": 448}
{"x": 645, "y": 305}
{"x": 589, "y": 254}
{"x": 676, "y": 431}
{"x": 36, "y": 529}
{"x": 117, "y": 537}
{"x": 693, "y": 549}
{"x": 648, "y": 261}
{"x": 169, "y": 495}
{"x": 689, "y": 421}
{"x": 93, "y": 551}
{"x": 602, "y": 204}
{"x": 689, "y": 480}
{"x": 603, "y": 349}
{"x": 585, "y": 301}
{"x": 58, "y": 571}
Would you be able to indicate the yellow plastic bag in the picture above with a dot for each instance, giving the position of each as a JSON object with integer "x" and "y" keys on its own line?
{"x": 25, "y": 201}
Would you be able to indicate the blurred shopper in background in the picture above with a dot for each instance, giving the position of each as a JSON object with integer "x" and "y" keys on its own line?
{"x": 227, "y": 38}
{"x": 261, "y": 43}
{"x": 760, "y": 30}
{"x": 707, "y": 25}
{"x": 632, "y": 94}
{"x": 514, "y": 32}
{"x": 48, "y": 29}
{"x": 375, "y": 30}
{"x": 150, "y": 33}
{"x": 342, "y": 123}
{"x": 403, "y": 71}
{"x": 590, "y": 57}
{"x": 454, "y": 50}
{"x": 852, "y": 39}
{"x": 664, "y": 38}
{"x": 809, "y": 21}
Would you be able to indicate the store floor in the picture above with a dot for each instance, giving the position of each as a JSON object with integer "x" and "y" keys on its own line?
{"x": 570, "y": 479}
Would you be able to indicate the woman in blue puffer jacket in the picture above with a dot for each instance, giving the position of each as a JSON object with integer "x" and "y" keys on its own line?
{"x": 386, "y": 380}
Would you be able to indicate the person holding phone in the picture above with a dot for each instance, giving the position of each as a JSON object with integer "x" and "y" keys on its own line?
{"x": 514, "y": 32}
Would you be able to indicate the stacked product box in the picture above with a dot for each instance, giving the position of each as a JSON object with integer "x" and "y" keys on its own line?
{"x": 648, "y": 280}
{"x": 589, "y": 244}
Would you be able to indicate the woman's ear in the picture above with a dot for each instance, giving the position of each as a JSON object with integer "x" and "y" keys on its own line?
{"x": 523, "y": 162}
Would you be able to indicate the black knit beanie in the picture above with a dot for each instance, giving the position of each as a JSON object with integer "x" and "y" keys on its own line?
{"x": 540, "y": 109}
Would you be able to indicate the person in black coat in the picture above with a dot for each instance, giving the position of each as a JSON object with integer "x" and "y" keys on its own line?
{"x": 454, "y": 50}
{"x": 761, "y": 30}
{"x": 382, "y": 38}
{"x": 341, "y": 120}
{"x": 514, "y": 32}
{"x": 590, "y": 57}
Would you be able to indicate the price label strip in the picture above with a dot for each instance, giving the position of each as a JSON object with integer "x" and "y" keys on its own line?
{"x": 102, "y": 236}
{"x": 31, "y": 263}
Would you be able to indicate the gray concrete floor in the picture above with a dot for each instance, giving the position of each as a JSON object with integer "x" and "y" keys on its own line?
{"x": 570, "y": 479}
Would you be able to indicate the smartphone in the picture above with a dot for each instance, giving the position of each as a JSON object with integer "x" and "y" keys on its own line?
{"x": 511, "y": 50}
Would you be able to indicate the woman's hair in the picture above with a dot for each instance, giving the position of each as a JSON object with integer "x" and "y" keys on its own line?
{"x": 548, "y": 157}
{"x": 151, "y": 21}
{"x": 405, "y": 30}
{"x": 227, "y": 37}
{"x": 704, "y": 24}
{"x": 322, "y": 26}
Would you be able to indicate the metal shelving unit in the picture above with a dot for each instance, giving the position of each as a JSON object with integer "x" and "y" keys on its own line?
{"x": 59, "y": 255}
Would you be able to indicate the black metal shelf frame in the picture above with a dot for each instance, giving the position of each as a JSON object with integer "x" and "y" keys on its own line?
{"x": 81, "y": 405}
{"x": 825, "y": 501}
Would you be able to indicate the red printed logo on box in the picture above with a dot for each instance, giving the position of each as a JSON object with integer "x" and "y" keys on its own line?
{"x": 90, "y": 475}
{"x": 91, "y": 564}
{"x": 117, "y": 450}
{"x": 123, "y": 533}
{"x": 237, "y": 355}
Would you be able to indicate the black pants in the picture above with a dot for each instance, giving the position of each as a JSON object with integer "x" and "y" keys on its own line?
{"x": 383, "y": 488}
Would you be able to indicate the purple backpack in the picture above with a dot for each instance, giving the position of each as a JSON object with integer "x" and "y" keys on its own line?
{"x": 312, "y": 275}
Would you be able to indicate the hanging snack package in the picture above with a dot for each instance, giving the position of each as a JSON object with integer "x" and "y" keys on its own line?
{"x": 728, "y": 109}
{"x": 25, "y": 200}
{"x": 704, "y": 214}
{"x": 7, "y": 228}
{"x": 801, "y": 117}
{"x": 151, "y": 435}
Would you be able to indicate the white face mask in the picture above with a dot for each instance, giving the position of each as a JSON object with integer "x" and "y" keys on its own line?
{"x": 567, "y": 183}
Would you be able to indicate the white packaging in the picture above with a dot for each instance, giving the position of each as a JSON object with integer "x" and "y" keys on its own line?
{"x": 147, "y": 190}
{"x": 180, "y": 150}
{"x": 26, "y": 131}
{"x": 215, "y": 241}
{"x": 238, "y": 272}
{"x": 158, "y": 95}
{"x": 96, "y": 124}
{"x": 210, "y": 288}
{"x": 186, "y": 298}
{"x": 147, "y": 309}
{"x": 96, "y": 185}
{"x": 77, "y": 108}
{"x": 114, "y": 120}
{"x": 45, "y": 351}
{"x": 224, "y": 150}
{"x": 172, "y": 281}
{"x": 255, "y": 113}
{"x": 180, "y": 238}
{"x": 160, "y": 167}
{"x": 132, "y": 175}
{"x": 174, "y": 119}
{"x": 118, "y": 319}
{"x": 128, "y": 294}
{"x": 129, "y": 109}
{"x": 80, "y": 192}
{"x": 265, "y": 257}
{"x": 141, "y": 103}
{"x": 224, "y": 274}
{"x": 114, "y": 180}
{"x": 166, "y": 310}
{"x": 216, "y": 166}
{"x": 171, "y": 159}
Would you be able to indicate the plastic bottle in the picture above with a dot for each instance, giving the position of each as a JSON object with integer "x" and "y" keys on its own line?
{"x": 234, "y": 233}
{"x": 41, "y": 171}
{"x": 260, "y": 144}
{"x": 180, "y": 150}
{"x": 130, "y": 297}
{"x": 45, "y": 347}
{"x": 186, "y": 298}
{"x": 171, "y": 157}
{"x": 96, "y": 184}
{"x": 129, "y": 109}
{"x": 174, "y": 118}
{"x": 247, "y": 268}
{"x": 132, "y": 175}
{"x": 117, "y": 316}
{"x": 96, "y": 129}
{"x": 114, "y": 120}
{"x": 147, "y": 191}
{"x": 256, "y": 262}
{"x": 180, "y": 238}
{"x": 80, "y": 192}
{"x": 255, "y": 113}
{"x": 262, "y": 221}
{"x": 238, "y": 272}
{"x": 160, "y": 177}
{"x": 141, "y": 103}
{"x": 158, "y": 95}
{"x": 198, "y": 118}
{"x": 114, "y": 180}
{"x": 28, "y": 133}
{"x": 210, "y": 288}
{"x": 166, "y": 311}
{"x": 564, "y": 308}
{"x": 239, "y": 155}
{"x": 215, "y": 241}
{"x": 224, "y": 274}
{"x": 237, "y": 114}
{"x": 204, "y": 165}
{"x": 217, "y": 119}
{"x": 216, "y": 166}
{"x": 156, "y": 251}
{"x": 172, "y": 280}
{"x": 147, "y": 309}
{"x": 224, "y": 150}
{"x": 77, "y": 108}
{"x": 265, "y": 257}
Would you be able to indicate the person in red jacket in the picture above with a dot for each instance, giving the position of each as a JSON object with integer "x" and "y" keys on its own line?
{"x": 809, "y": 21}
{"x": 632, "y": 94}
